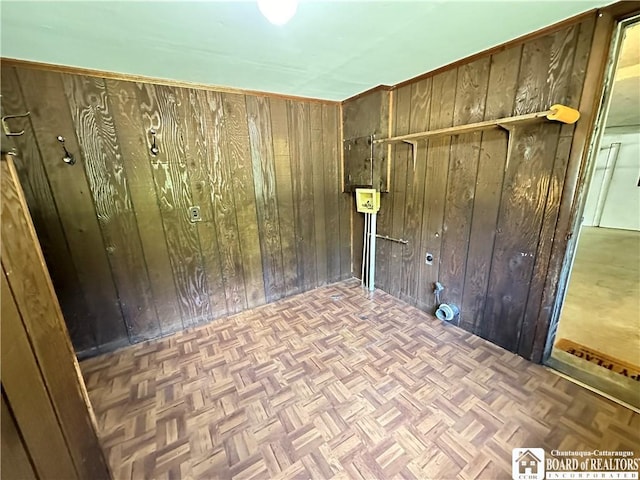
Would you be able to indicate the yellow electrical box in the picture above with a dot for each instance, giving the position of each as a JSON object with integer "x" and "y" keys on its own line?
{"x": 367, "y": 200}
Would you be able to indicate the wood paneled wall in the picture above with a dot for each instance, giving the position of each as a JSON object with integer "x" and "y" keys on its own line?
{"x": 126, "y": 261}
{"x": 488, "y": 219}
{"x": 48, "y": 430}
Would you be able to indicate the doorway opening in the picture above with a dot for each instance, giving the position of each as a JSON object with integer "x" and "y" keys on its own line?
{"x": 597, "y": 340}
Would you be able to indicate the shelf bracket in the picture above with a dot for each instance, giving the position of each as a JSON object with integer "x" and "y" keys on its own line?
{"x": 414, "y": 150}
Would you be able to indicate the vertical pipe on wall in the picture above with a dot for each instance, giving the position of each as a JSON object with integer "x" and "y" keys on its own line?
{"x": 365, "y": 244}
{"x": 372, "y": 251}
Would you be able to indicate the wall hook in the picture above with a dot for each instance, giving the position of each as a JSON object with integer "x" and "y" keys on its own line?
{"x": 5, "y": 126}
{"x": 154, "y": 148}
{"x": 68, "y": 158}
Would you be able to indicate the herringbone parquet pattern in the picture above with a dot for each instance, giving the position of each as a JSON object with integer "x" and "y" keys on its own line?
{"x": 336, "y": 383}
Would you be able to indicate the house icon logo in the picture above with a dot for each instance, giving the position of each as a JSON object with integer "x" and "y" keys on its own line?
{"x": 527, "y": 463}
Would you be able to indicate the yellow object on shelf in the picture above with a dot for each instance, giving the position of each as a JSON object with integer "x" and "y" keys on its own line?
{"x": 367, "y": 200}
{"x": 564, "y": 114}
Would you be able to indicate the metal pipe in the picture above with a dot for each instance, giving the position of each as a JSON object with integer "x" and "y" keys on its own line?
{"x": 365, "y": 244}
{"x": 372, "y": 253}
{"x": 391, "y": 239}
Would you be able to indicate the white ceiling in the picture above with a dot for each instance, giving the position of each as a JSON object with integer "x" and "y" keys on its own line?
{"x": 330, "y": 50}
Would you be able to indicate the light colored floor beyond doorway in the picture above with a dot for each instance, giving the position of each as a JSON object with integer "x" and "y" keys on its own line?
{"x": 602, "y": 307}
{"x": 337, "y": 383}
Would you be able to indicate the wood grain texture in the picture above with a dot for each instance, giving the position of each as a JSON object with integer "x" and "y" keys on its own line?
{"x": 197, "y": 126}
{"x": 345, "y": 209}
{"x": 302, "y": 180}
{"x": 332, "y": 190}
{"x": 362, "y": 117}
{"x": 159, "y": 111}
{"x": 245, "y": 199}
{"x": 44, "y": 213}
{"x": 27, "y": 393}
{"x": 264, "y": 179}
{"x": 401, "y": 162}
{"x": 284, "y": 188}
{"x": 488, "y": 188}
{"x": 126, "y": 77}
{"x": 522, "y": 207}
{"x": 547, "y": 232}
{"x": 319, "y": 200}
{"x": 412, "y": 256}
{"x": 490, "y": 222}
{"x": 491, "y": 165}
{"x": 576, "y": 99}
{"x": 133, "y": 140}
{"x": 14, "y": 461}
{"x": 138, "y": 203}
{"x": 93, "y": 122}
{"x": 44, "y": 96}
{"x": 471, "y": 95}
{"x": 443, "y": 112}
{"x": 38, "y": 309}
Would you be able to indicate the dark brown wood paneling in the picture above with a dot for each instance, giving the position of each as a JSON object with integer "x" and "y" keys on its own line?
{"x": 522, "y": 206}
{"x": 34, "y": 334}
{"x": 267, "y": 179}
{"x": 15, "y": 462}
{"x": 134, "y": 145}
{"x": 488, "y": 217}
{"x": 570, "y": 95}
{"x": 443, "y": 111}
{"x": 319, "y": 201}
{"x": 413, "y": 257}
{"x": 245, "y": 199}
{"x": 488, "y": 187}
{"x": 471, "y": 94}
{"x": 332, "y": 189}
{"x": 585, "y": 94}
{"x": 284, "y": 188}
{"x": 302, "y": 176}
{"x": 401, "y": 163}
{"x": 526, "y": 194}
{"x": 170, "y": 174}
{"x": 364, "y": 116}
{"x": 45, "y": 217}
{"x": 108, "y": 181}
{"x": 196, "y": 125}
{"x": 44, "y": 96}
{"x": 264, "y": 178}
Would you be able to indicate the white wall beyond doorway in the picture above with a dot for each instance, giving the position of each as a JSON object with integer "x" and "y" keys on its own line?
{"x": 616, "y": 185}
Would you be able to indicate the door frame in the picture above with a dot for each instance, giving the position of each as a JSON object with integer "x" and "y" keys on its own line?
{"x": 607, "y": 40}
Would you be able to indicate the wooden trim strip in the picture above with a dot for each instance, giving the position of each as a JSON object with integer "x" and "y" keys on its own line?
{"x": 127, "y": 77}
{"x": 471, "y": 127}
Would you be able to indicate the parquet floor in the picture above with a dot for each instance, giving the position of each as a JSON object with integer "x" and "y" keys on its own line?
{"x": 336, "y": 383}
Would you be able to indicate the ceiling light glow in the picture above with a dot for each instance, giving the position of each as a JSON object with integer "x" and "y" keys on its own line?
{"x": 278, "y": 12}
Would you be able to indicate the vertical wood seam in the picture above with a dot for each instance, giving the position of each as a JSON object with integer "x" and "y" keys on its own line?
{"x": 40, "y": 159}
{"x": 108, "y": 100}
{"x": 82, "y": 160}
